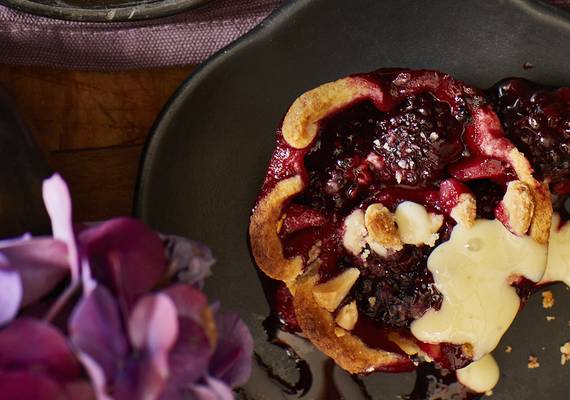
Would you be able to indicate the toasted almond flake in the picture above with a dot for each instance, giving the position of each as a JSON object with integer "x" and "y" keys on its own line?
{"x": 381, "y": 226}
{"x": 533, "y": 362}
{"x": 547, "y": 299}
{"x": 347, "y": 316}
{"x": 329, "y": 295}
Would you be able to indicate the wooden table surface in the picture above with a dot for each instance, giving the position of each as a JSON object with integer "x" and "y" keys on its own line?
{"x": 91, "y": 127}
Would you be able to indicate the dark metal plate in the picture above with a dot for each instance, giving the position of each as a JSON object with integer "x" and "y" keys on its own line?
{"x": 206, "y": 159}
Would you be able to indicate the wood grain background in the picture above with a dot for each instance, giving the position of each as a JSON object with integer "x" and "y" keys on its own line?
{"x": 91, "y": 127}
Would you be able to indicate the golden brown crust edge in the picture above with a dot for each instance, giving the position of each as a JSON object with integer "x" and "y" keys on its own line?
{"x": 318, "y": 325}
{"x": 266, "y": 245}
{"x": 301, "y": 121}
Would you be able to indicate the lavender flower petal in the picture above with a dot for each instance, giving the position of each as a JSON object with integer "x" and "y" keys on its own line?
{"x": 78, "y": 390}
{"x": 97, "y": 376}
{"x": 190, "y": 262}
{"x": 126, "y": 256}
{"x": 190, "y": 357}
{"x": 232, "y": 359}
{"x": 95, "y": 329}
{"x": 42, "y": 264}
{"x": 58, "y": 205}
{"x": 10, "y": 294}
{"x": 30, "y": 344}
{"x": 189, "y": 301}
{"x": 213, "y": 389}
{"x": 153, "y": 329}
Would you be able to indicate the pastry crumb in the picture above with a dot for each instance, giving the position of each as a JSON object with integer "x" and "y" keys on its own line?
{"x": 547, "y": 299}
{"x": 508, "y": 349}
{"x": 533, "y": 362}
{"x": 565, "y": 350}
{"x": 339, "y": 332}
{"x": 550, "y": 318}
{"x": 489, "y": 393}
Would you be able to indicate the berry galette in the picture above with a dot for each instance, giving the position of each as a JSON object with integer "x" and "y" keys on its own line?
{"x": 400, "y": 221}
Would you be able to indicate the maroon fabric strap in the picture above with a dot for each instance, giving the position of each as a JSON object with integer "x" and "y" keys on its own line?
{"x": 187, "y": 38}
{"x": 183, "y": 39}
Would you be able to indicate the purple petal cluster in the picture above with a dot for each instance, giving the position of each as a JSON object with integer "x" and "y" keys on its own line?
{"x": 113, "y": 311}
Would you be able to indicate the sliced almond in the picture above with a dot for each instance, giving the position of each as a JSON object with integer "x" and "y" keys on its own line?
{"x": 381, "y": 226}
{"x": 465, "y": 211}
{"x": 330, "y": 294}
{"x": 518, "y": 207}
{"x": 415, "y": 225}
{"x": 347, "y": 316}
{"x": 354, "y": 238}
{"x": 408, "y": 346}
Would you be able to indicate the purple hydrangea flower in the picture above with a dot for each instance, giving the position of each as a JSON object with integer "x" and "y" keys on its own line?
{"x": 117, "y": 314}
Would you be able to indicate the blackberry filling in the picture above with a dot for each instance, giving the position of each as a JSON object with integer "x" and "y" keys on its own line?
{"x": 537, "y": 120}
{"x": 349, "y": 166}
{"x": 418, "y": 139}
{"x": 397, "y": 290}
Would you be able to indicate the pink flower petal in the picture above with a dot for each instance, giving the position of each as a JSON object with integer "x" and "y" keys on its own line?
{"x": 153, "y": 331}
{"x": 30, "y": 344}
{"x": 232, "y": 359}
{"x": 26, "y": 385}
{"x": 189, "y": 301}
{"x": 10, "y": 294}
{"x": 125, "y": 256}
{"x": 95, "y": 329}
{"x": 153, "y": 327}
{"x": 213, "y": 389}
{"x": 97, "y": 376}
{"x": 42, "y": 264}
{"x": 58, "y": 205}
